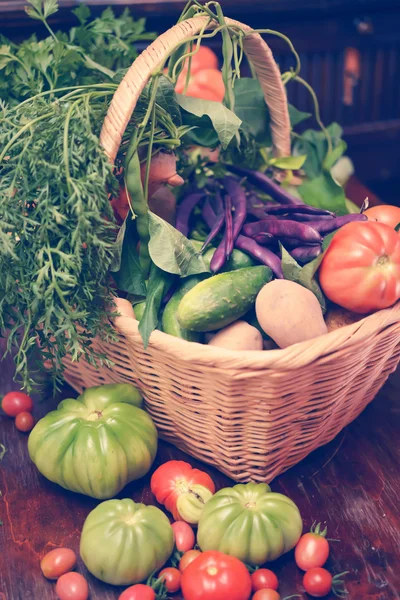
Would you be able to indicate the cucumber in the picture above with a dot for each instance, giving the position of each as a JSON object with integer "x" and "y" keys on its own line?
{"x": 221, "y": 299}
{"x": 170, "y": 322}
{"x": 138, "y": 309}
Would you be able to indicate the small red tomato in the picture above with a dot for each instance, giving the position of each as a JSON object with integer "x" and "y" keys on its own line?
{"x": 57, "y": 562}
{"x": 14, "y": 403}
{"x": 188, "y": 558}
{"x": 138, "y": 592}
{"x": 72, "y": 586}
{"x": 312, "y": 550}
{"x": 171, "y": 578}
{"x": 184, "y": 536}
{"x": 24, "y": 421}
{"x": 317, "y": 582}
{"x": 264, "y": 578}
{"x": 266, "y": 594}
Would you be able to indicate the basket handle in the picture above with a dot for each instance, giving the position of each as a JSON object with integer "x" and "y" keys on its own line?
{"x": 151, "y": 59}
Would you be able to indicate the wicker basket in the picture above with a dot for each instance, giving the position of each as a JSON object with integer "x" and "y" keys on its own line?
{"x": 250, "y": 414}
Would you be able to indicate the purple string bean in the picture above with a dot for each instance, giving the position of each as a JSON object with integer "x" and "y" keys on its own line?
{"x": 185, "y": 210}
{"x": 228, "y": 227}
{"x": 280, "y": 229}
{"x": 266, "y": 184}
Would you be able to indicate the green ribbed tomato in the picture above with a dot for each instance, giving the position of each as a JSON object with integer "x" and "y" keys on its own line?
{"x": 96, "y": 444}
{"x": 250, "y": 522}
{"x": 123, "y": 542}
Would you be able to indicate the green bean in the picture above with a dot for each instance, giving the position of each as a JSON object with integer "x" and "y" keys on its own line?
{"x": 227, "y": 53}
{"x": 139, "y": 207}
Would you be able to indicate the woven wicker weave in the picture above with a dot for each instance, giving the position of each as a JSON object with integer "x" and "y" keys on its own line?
{"x": 251, "y": 414}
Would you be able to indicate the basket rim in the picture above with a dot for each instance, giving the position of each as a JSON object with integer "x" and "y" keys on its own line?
{"x": 292, "y": 357}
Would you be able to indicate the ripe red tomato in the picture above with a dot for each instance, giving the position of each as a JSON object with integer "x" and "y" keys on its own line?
{"x": 361, "y": 268}
{"x": 184, "y": 536}
{"x": 72, "y": 586}
{"x": 188, "y": 558}
{"x": 138, "y": 592}
{"x": 317, "y": 582}
{"x": 264, "y": 578}
{"x": 14, "y": 403}
{"x": 171, "y": 578}
{"x": 312, "y": 550}
{"x": 387, "y": 214}
{"x": 205, "y": 58}
{"x": 207, "y": 84}
{"x": 24, "y": 421}
{"x": 57, "y": 562}
{"x": 266, "y": 594}
{"x": 175, "y": 478}
{"x": 213, "y": 576}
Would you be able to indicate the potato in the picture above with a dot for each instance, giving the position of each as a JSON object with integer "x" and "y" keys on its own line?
{"x": 238, "y": 336}
{"x": 338, "y": 317}
{"x": 289, "y": 313}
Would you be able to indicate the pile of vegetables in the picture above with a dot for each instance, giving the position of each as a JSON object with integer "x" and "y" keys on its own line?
{"x": 196, "y": 194}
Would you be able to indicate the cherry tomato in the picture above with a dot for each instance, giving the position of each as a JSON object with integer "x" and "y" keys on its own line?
{"x": 266, "y": 594}
{"x": 361, "y": 268}
{"x": 57, "y": 562}
{"x": 387, "y": 214}
{"x": 184, "y": 536}
{"x": 264, "y": 578}
{"x": 188, "y": 558}
{"x": 171, "y": 578}
{"x": 312, "y": 550}
{"x": 214, "y": 576}
{"x": 24, "y": 421}
{"x": 317, "y": 582}
{"x": 14, "y": 403}
{"x": 207, "y": 84}
{"x": 72, "y": 586}
{"x": 174, "y": 479}
{"x": 138, "y": 592}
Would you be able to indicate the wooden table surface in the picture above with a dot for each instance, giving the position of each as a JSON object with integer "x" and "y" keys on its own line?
{"x": 352, "y": 484}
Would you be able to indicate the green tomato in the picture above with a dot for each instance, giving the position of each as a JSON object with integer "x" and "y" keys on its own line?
{"x": 96, "y": 444}
{"x": 123, "y": 542}
{"x": 250, "y": 522}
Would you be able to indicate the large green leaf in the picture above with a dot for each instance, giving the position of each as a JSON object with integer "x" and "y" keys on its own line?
{"x": 251, "y": 108}
{"x": 323, "y": 192}
{"x": 129, "y": 278}
{"x": 225, "y": 123}
{"x": 172, "y": 251}
{"x": 313, "y": 143}
{"x": 297, "y": 116}
{"x": 158, "y": 284}
{"x": 166, "y": 98}
{"x": 304, "y": 276}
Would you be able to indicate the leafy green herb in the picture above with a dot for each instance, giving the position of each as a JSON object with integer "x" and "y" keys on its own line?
{"x": 297, "y": 116}
{"x": 323, "y": 192}
{"x": 252, "y": 110}
{"x": 129, "y": 278}
{"x": 304, "y": 276}
{"x": 225, "y": 123}
{"x": 172, "y": 251}
{"x": 159, "y": 282}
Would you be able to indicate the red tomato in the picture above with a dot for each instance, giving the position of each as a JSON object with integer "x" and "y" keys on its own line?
{"x": 138, "y": 592}
{"x": 317, "y": 582}
{"x": 188, "y": 558}
{"x": 213, "y": 576}
{"x": 266, "y": 594}
{"x": 205, "y": 58}
{"x": 171, "y": 578}
{"x": 264, "y": 578}
{"x": 24, "y": 421}
{"x": 361, "y": 268}
{"x": 14, "y": 403}
{"x": 72, "y": 586}
{"x": 207, "y": 84}
{"x": 312, "y": 550}
{"x": 57, "y": 562}
{"x": 184, "y": 536}
{"x": 174, "y": 478}
{"x": 387, "y": 214}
